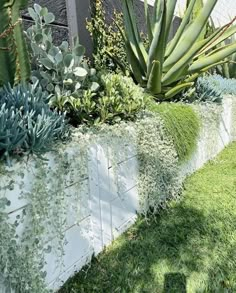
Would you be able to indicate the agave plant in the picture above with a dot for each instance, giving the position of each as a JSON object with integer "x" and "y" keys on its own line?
{"x": 168, "y": 67}
{"x": 228, "y": 69}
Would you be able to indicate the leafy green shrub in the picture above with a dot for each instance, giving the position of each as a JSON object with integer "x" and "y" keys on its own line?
{"x": 60, "y": 69}
{"x": 182, "y": 125}
{"x": 107, "y": 39}
{"x": 118, "y": 99}
{"x": 26, "y": 121}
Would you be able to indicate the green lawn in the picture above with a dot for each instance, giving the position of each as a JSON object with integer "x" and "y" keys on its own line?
{"x": 191, "y": 247}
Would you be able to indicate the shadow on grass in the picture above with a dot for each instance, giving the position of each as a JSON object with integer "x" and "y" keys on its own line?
{"x": 175, "y": 282}
{"x": 157, "y": 256}
{"x": 187, "y": 248}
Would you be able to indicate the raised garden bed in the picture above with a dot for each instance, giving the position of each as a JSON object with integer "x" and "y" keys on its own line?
{"x": 93, "y": 185}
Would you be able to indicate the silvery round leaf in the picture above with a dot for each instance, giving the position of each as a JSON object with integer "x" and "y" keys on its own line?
{"x": 80, "y": 72}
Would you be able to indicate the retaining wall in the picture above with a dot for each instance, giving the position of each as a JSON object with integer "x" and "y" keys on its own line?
{"x": 104, "y": 203}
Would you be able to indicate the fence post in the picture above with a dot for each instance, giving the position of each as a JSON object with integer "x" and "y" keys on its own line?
{"x": 78, "y": 11}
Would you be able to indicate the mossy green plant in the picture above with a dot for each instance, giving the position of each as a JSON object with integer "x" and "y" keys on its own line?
{"x": 182, "y": 125}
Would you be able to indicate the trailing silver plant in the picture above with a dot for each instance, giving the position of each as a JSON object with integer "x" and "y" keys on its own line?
{"x": 157, "y": 180}
{"x": 44, "y": 219}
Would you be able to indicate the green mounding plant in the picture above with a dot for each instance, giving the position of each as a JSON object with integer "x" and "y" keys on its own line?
{"x": 167, "y": 68}
{"x": 14, "y": 62}
{"x": 107, "y": 39}
{"x": 182, "y": 125}
{"x": 119, "y": 98}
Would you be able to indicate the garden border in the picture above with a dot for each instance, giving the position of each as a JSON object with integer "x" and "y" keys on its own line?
{"x": 104, "y": 204}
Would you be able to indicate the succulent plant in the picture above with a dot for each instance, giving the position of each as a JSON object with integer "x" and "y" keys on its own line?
{"x": 166, "y": 68}
{"x": 228, "y": 69}
{"x": 61, "y": 70}
{"x": 227, "y": 86}
{"x": 206, "y": 89}
{"x": 14, "y": 62}
{"x": 211, "y": 88}
{"x": 26, "y": 121}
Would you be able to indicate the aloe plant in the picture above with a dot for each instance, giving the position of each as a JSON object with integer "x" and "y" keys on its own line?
{"x": 168, "y": 67}
{"x": 228, "y": 69}
{"x": 14, "y": 61}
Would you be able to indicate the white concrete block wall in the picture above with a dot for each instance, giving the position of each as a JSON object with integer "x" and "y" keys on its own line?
{"x": 107, "y": 206}
{"x": 213, "y": 138}
{"x": 107, "y": 213}
{"x": 109, "y": 201}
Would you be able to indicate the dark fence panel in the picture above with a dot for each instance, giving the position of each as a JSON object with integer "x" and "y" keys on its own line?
{"x": 71, "y": 16}
{"x": 58, "y": 8}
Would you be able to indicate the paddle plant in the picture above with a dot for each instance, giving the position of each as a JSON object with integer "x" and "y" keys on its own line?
{"x": 166, "y": 67}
